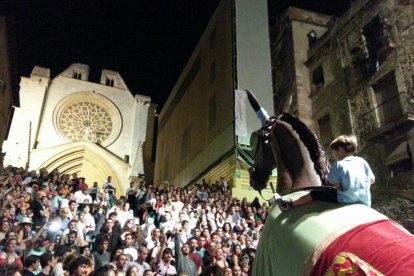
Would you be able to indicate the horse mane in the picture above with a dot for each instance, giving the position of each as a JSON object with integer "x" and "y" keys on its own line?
{"x": 312, "y": 143}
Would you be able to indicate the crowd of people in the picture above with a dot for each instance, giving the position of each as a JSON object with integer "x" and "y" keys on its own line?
{"x": 57, "y": 224}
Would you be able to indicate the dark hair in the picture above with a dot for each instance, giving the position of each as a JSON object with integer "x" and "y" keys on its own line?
{"x": 9, "y": 269}
{"x": 29, "y": 261}
{"x": 213, "y": 270}
{"x": 82, "y": 249}
{"x": 167, "y": 251}
{"x": 62, "y": 250}
{"x": 347, "y": 142}
{"x": 78, "y": 261}
{"x": 45, "y": 259}
{"x": 103, "y": 271}
{"x": 119, "y": 256}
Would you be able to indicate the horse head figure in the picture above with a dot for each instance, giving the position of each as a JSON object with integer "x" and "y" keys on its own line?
{"x": 287, "y": 143}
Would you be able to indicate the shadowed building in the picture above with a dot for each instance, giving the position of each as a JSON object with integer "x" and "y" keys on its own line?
{"x": 358, "y": 79}
{"x": 205, "y": 126}
{"x": 9, "y": 90}
{"x": 75, "y": 126}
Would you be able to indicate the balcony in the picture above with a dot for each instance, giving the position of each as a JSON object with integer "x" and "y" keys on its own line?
{"x": 396, "y": 112}
{"x": 402, "y": 185}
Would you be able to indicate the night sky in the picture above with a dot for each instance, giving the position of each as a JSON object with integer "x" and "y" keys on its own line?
{"x": 147, "y": 41}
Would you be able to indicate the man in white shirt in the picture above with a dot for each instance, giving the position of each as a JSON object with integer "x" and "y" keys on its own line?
{"x": 178, "y": 203}
{"x": 82, "y": 196}
{"x": 129, "y": 247}
{"x": 141, "y": 263}
{"x": 154, "y": 240}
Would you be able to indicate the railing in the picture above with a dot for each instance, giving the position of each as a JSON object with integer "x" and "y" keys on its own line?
{"x": 386, "y": 112}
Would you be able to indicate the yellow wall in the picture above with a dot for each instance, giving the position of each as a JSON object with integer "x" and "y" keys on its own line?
{"x": 192, "y": 108}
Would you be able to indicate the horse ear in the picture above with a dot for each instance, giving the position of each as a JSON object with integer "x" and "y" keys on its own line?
{"x": 285, "y": 106}
{"x": 252, "y": 100}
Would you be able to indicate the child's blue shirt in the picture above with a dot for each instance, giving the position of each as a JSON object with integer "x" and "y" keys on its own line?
{"x": 355, "y": 177}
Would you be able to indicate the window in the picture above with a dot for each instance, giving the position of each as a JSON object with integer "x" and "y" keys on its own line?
{"x": 388, "y": 104}
{"x": 213, "y": 38}
{"x": 212, "y": 112}
{"x": 185, "y": 142}
{"x": 399, "y": 160}
{"x": 77, "y": 75}
{"x": 212, "y": 72}
{"x": 312, "y": 38}
{"x": 318, "y": 79}
{"x": 2, "y": 85}
{"x": 109, "y": 82}
{"x": 373, "y": 37}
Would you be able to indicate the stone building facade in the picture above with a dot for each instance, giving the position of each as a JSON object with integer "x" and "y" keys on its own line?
{"x": 76, "y": 126}
{"x": 289, "y": 45}
{"x": 361, "y": 82}
{"x": 9, "y": 87}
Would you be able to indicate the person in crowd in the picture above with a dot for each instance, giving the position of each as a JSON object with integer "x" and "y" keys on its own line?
{"x": 219, "y": 259}
{"x": 82, "y": 196}
{"x": 184, "y": 263}
{"x": 237, "y": 271}
{"x": 25, "y": 234}
{"x": 4, "y": 228}
{"x": 47, "y": 263}
{"x": 101, "y": 255}
{"x": 31, "y": 264}
{"x": 133, "y": 270}
{"x": 12, "y": 253}
{"x": 73, "y": 227}
{"x": 197, "y": 221}
{"x": 163, "y": 265}
{"x": 124, "y": 214}
{"x": 194, "y": 256}
{"x": 73, "y": 209}
{"x": 129, "y": 248}
{"x": 80, "y": 266}
{"x": 228, "y": 271}
{"x": 142, "y": 259}
{"x": 109, "y": 230}
{"x": 120, "y": 262}
{"x": 111, "y": 188}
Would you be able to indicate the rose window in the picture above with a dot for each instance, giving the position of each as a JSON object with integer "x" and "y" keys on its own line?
{"x": 85, "y": 121}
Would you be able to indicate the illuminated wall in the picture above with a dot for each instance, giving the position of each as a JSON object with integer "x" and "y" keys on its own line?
{"x": 69, "y": 123}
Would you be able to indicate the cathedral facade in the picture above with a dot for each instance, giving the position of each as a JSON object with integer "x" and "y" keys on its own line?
{"x": 76, "y": 126}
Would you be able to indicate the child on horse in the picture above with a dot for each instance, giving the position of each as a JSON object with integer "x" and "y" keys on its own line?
{"x": 351, "y": 176}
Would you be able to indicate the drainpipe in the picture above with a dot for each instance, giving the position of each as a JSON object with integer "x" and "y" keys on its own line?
{"x": 348, "y": 101}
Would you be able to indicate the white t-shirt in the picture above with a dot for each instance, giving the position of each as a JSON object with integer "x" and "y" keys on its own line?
{"x": 131, "y": 251}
